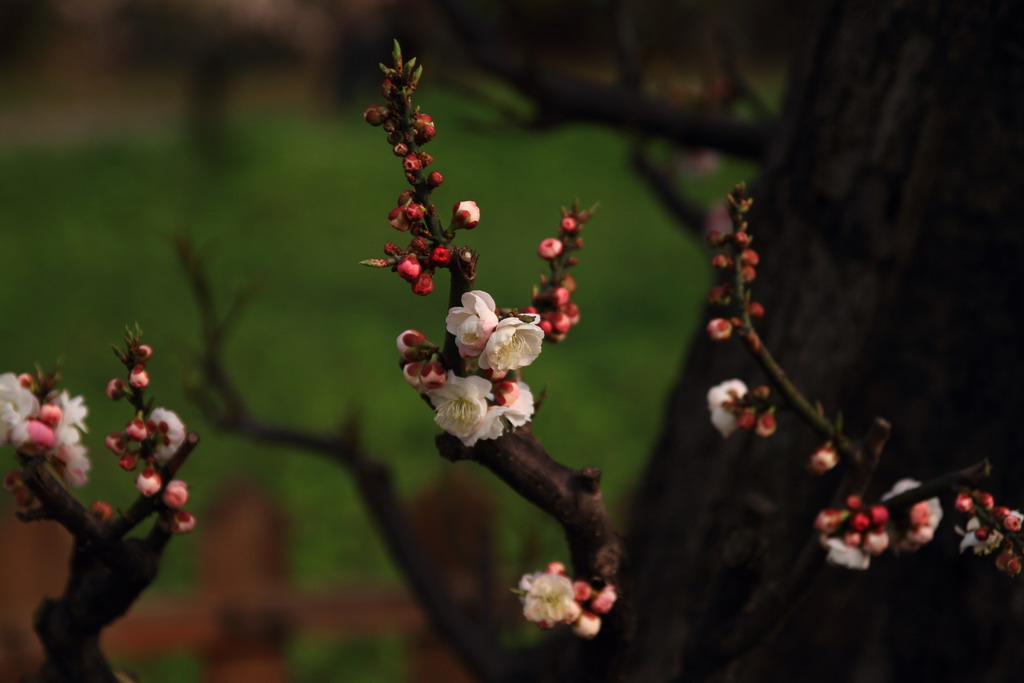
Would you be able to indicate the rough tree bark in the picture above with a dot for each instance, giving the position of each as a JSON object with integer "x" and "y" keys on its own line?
{"x": 886, "y": 221}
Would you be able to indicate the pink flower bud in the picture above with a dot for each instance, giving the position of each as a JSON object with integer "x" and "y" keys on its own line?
{"x": 765, "y": 424}
{"x": 144, "y": 352}
{"x": 587, "y": 626}
{"x": 128, "y": 461}
{"x": 414, "y": 213}
{"x": 435, "y": 179}
{"x": 412, "y": 163}
{"x": 433, "y": 375}
{"x": 33, "y": 436}
{"x": 138, "y": 378}
{"x": 748, "y": 273}
{"x": 400, "y": 149}
{"x": 26, "y": 380}
{"x": 546, "y": 327}
{"x": 506, "y": 393}
{"x": 854, "y": 502}
{"x": 741, "y": 239}
{"x": 860, "y": 522}
{"x": 603, "y": 602}
{"x": 409, "y": 268}
{"x": 828, "y": 520}
{"x": 719, "y": 329}
{"x": 440, "y": 256}
{"x": 920, "y": 514}
{"x": 879, "y": 515}
{"x": 116, "y": 389}
{"x": 465, "y": 215}
{"x": 181, "y": 522}
{"x": 397, "y": 219}
{"x": 550, "y": 248}
{"x": 412, "y": 373}
{"x": 1000, "y": 511}
{"x": 582, "y": 590}
{"x": 746, "y": 420}
{"x": 148, "y": 482}
{"x": 175, "y": 493}
{"x": 963, "y": 503}
{"x": 409, "y": 343}
{"x": 493, "y": 374}
{"x": 1013, "y": 566}
{"x": 555, "y": 568}
{"x": 424, "y": 284}
{"x": 986, "y": 500}
{"x": 756, "y": 310}
{"x": 1011, "y": 522}
{"x": 375, "y": 114}
{"x": 875, "y": 542}
{"x": 823, "y": 459}
{"x": 721, "y": 261}
{"x": 852, "y": 538}
{"x": 749, "y": 257}
{"x": 116, "y": 443}
{"x": 561, "y": 323}
{"x": 569, "y": 225}
{"x": 50, "y": 414}
{"x": 136, "y": 430}
{"x": 102, "y": 510}
{"x": 573, "y": 311}
{"x": 559, "y": 296}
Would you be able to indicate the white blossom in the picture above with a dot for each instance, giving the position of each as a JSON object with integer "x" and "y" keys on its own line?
{"x": 169, "y": 433}
{"x": 550, "y": 599}
{"x": 461, "y": 406}
{"x": 498, "y": 417}
{"x": 473, "y": 322}
{"x": 17, "y": 404}
{"x": 729, "y": 390}
{"x": 73, "y": 414}
{"x": 513, "y": 344}
{"x": 842, "y": 555}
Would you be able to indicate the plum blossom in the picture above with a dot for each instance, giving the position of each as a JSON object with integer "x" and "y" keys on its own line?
{"x": 843, "y": 555}
{"x": 516, "y": 414}
{"x": 473, "y": 322}
{"x": 979, "y": 546}
{"x": 169, "y": 433}
{"x": 728, "y": 391}
{"x": 924, "y": 518}
{"x": 514, "y": 344}
{"x": 17, "y": 404}
{"x": 76, "y": 464}
{"x": 461, "y": 406}
{"x": 73, "y": 414}
{"x": 549, "y": 599}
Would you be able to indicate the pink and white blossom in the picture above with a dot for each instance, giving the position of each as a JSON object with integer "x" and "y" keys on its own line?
{"x": 461, "y": 406}
{"x": 76, "y": 464}
{"x": 842, "y": 555}
{"x": 549, "y": 599}
{"x": 473, "y": 322}
{"x": 497, "y": 418}
{"x": 515, "y": 343}
{"x": 923, "y": 518}
{"x": 175, "y": 493}
{"x": 17, "y": 404}
{"x": 466, "y": 215}
{"x": 980, "y": 546}
{"x": 587, "y": 626}
{"x": 169, "y": 433}
{"x": 148, "y": 482}
{"x": 718, "y": 396}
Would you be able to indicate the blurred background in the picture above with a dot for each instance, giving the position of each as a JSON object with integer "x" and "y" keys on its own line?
{"x": 237, "y": 123}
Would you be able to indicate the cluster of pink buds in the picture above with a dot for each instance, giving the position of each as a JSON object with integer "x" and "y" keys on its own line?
{"x": 421, "y": 361}
{"x": 552, "y": 299}
{"x": 550, "y": 597}
{"x": 854, "y": 534}
{"x": 732, "y": 407}
{"x": 738, "y": 260}
{"x": 408, "y": 129}
{"x": 150, "y": 439}
{"x": 992, "y": 528}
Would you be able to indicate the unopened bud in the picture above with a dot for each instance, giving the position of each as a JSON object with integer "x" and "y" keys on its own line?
{"x": 860, "y": 522}
{"x": 1011, "y": 522}
{"x": 116, "y": 389}
{"x": 506, "y": 393}
{"x": 148, "y": 482}
{"x": 569, "y": 225}
{"x": 138, "y": 378}
{"x": 876, "y": 542}
{"x": 854, "y": 502}
{"x": 433, "y": 375}
{"x": 144, "y": 352}
{"x": 409, "y": 268}
{"x": 440, "y": 256}
{"x": 603, "y": 602}
{"x": 175, "y": 493}
{"x": 823, "y": 459}
{"x": 550, "y": 248}
{"x": 424, "y": 284}
{"x": 102, "y": 510}
{"x": 128, "y": 461}
{"x": 755, "y": 310}
{"x": 920, "y": 514}
{"x": 719, "y": 329}
{"x": 402, "y": 150}
{"x": 50, "y": 414}
{"x": 879, "y": 515}
{"x": 465, "y": 215}
{"x": 555, "y": 568}
{"x": 749, "y": 257}
{"x": 1000, "y": 511}
{"x": 26, "y": 381}
{"x": 582, "y": 590}
{"x": 765, "y": 424}
{"x": 587, "y": 625}
{"x": 136, "y": 430}
{"x": 116, "y": 443}
{"x": 181, "y": 522}
{"x": 963, "y": 503}
{"x": 435, "y": 179}
{"x": 375, "y": 114}
{"x": 413, "y": 213}
{"x": 985, "y": 500}
{"x": 411, "y": 163}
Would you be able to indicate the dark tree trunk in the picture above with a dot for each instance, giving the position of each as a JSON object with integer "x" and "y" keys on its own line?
{"x": 890, "y": 241}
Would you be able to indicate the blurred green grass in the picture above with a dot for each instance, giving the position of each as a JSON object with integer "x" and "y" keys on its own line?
{"x": 294, "y": 203}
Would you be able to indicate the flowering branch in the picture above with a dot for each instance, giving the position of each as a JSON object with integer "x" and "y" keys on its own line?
{"x": 108, "y": 572}
{"x": 225, "y": 404}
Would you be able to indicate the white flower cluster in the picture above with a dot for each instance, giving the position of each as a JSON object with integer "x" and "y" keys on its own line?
{"x": 720, "y": 398}
{"x": 483, "y": 405}
{"x": 52, "y": 429}
{"x": 550, "y": 597}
